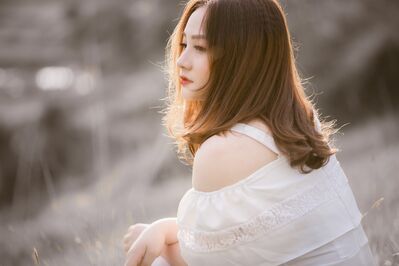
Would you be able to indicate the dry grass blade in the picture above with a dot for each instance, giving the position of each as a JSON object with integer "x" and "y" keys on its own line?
{"x": 376, "y": 204}
{"x": 35, "y": 256}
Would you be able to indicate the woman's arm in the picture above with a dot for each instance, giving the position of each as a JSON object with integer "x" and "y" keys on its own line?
{"x": 172, "y": 251}
{"x": 166, "y": 231}
{"x": 169, "y": 227}
{"x": 172, "y": 255}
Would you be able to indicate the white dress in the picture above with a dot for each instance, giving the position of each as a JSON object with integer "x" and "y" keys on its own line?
{"x": 275, "y": 216}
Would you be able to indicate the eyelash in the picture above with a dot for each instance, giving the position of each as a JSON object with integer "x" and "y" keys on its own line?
{"x": 199, "y": 48}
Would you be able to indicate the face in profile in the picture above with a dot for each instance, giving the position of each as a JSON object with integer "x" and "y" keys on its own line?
{"x": 193, "y": 62}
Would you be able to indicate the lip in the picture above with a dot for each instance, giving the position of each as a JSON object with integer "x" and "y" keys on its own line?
{"x": 184, "y": 80}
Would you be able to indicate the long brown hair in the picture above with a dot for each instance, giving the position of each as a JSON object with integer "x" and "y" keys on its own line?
{"x": 253, "y": 75}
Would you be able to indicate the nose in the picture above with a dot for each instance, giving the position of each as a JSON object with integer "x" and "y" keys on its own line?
{"x": 184, "y": 61}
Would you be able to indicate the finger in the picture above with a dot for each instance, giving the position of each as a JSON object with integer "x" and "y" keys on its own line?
{"x": 137, "y": 226}
{"x": 134, "y": 232}
{"x": 127, "y": 243}
{"x": 126, "y": 247}
{"x": 135, "y": 255}
{"x": 128, "y": 237}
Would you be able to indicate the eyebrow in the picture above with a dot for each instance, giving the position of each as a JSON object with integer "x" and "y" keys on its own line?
{"x": 195, "y": 36}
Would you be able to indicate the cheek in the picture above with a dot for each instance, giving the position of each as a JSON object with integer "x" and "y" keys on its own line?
{"x": 205, "y": 68}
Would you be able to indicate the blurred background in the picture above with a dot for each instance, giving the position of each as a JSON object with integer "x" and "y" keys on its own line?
{"x": 83, "y": 154}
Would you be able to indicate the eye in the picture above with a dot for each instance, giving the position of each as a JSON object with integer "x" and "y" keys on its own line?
{"x": 200, "y": 48}
{"x": 183, "y": 45}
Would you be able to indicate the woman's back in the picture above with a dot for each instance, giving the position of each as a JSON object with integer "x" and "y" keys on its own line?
{"x": 271, "y": 216}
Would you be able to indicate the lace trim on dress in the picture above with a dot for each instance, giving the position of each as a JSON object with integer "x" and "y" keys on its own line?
{"x": 279, "y": 215}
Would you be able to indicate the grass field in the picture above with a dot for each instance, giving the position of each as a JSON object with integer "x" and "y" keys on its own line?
{"x": 85, "y": 226}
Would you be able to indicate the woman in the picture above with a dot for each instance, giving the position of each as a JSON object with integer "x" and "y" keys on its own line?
{"x": 267, "y": 187}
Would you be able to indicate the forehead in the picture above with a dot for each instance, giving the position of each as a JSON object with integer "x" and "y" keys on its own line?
{"x": 193, "y": 27}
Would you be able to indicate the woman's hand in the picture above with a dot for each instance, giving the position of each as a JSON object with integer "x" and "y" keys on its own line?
{"x": 146, "y": 243}
{"x": 132, "y": 234}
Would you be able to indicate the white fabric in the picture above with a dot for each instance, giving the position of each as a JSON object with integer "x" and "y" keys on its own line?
{"x": 160, "y": 261}
{"x": 274, "y": 216}
{"x": 347, "y": 250}
{"x": 257, "y": 134}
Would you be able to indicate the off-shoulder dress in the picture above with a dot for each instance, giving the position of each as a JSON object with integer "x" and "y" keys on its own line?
{"x": 274, "y": 216}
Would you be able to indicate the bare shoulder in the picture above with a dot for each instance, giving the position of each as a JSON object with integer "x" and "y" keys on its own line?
{"x": 224, "y": 160}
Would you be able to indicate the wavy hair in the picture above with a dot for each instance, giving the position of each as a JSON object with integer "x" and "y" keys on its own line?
{"x": 253, "y": 75}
